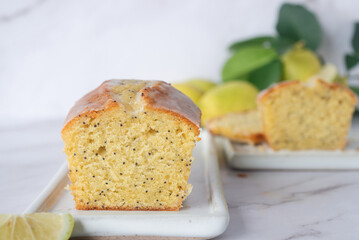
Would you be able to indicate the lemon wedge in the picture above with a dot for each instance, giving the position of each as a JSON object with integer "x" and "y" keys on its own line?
{"x": 36, "y": 226}
{"x": 329, "y": 73}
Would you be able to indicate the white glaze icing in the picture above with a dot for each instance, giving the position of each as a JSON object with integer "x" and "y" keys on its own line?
{"x": 153, "y": 94}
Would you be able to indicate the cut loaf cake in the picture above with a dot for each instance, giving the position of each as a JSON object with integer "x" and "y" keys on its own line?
{"x": 129, "y": 146}
{"x": 245, "y": 126}
{"x": 304, "y": 116}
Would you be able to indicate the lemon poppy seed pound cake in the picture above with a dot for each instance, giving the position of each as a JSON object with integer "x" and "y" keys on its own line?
{"x": 244, "y": 126}
{"x": 129, "y": 146}
{"x": 305, "y": 116}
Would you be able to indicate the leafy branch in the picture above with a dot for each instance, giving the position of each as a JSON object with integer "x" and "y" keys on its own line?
{"x": 257, "y": 59}
{"x": 352, "y": 59}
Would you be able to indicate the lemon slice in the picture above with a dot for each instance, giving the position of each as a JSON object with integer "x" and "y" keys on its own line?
{"x": 328, "y": 73}
{"x": 36, "y": 226}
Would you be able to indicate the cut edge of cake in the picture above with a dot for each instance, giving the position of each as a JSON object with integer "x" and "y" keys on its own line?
{"x": 156, "y": 96}
{"x": 263, "y": 95}
{"x": 225, "y": 125}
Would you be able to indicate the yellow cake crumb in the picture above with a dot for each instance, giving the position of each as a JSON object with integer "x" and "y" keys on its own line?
{"x": 304, "y": 116}
{"x": 244, "y": 126}
{"x": 131, "y": 156}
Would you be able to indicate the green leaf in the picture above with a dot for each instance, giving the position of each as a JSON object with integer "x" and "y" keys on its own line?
{"x": 246, "y": 60}
{"x": 321, "y": 58}
{"x": 350, "y": 61}
{"x": 281, "y": 44}
{"x": 355, "y": 40}
{"x": 266, "y": 75}
{"x": 355, "y": 90}
{"x": 295, "y": 22}
{"x": 259, "y": 41}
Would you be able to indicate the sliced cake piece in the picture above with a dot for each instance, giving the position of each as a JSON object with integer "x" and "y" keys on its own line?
{"x": 303, "y": 116}
{"x": 129, "y": 146}
{"x": 245, "y": 126}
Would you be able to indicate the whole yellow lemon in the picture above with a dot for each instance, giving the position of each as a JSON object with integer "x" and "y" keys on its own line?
{"x": 228, "y": 97}
{"x": 300, "y": 64}
{"x": 190, "y": 91}
{"x": 202, "y": 84}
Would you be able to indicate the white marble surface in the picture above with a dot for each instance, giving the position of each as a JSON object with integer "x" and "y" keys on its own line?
{"x": 287, "y": 205}
{"x": 274, "y": 205}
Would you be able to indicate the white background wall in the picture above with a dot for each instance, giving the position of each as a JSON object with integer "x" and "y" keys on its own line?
{"x": 52, "y": 52}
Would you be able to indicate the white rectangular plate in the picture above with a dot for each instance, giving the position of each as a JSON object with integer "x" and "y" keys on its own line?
{"x": 204, "y": 213}
{"x": 261, "y": 157}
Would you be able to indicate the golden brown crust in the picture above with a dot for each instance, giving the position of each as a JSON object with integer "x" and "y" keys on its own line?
{"x": 93, "y": 101}
{"x": 90, "y": 105}
{"x": 341, "y": 86}
{"x": 254, "y": 138}
{"x": 266, "y": 92}
{"x": 161, "y": 97}
{"x": 250, "y": 138}
{"x": 257, "y": 138}
{"x": 81, "y": 206}
{"x": 166, "y": 98}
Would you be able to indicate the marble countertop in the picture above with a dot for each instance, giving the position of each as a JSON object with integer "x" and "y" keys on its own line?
{"x": 262, "y": 204}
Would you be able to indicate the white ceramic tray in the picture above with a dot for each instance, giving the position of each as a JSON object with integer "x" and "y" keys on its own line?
{"x": 204, "y": 213}
{"x": 261, "y": 157}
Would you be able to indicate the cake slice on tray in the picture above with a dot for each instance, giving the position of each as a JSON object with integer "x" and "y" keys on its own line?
{"x": 244, "y": 127}
{"x": 307, "y": 115}
{"x": 129, "y": 146}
